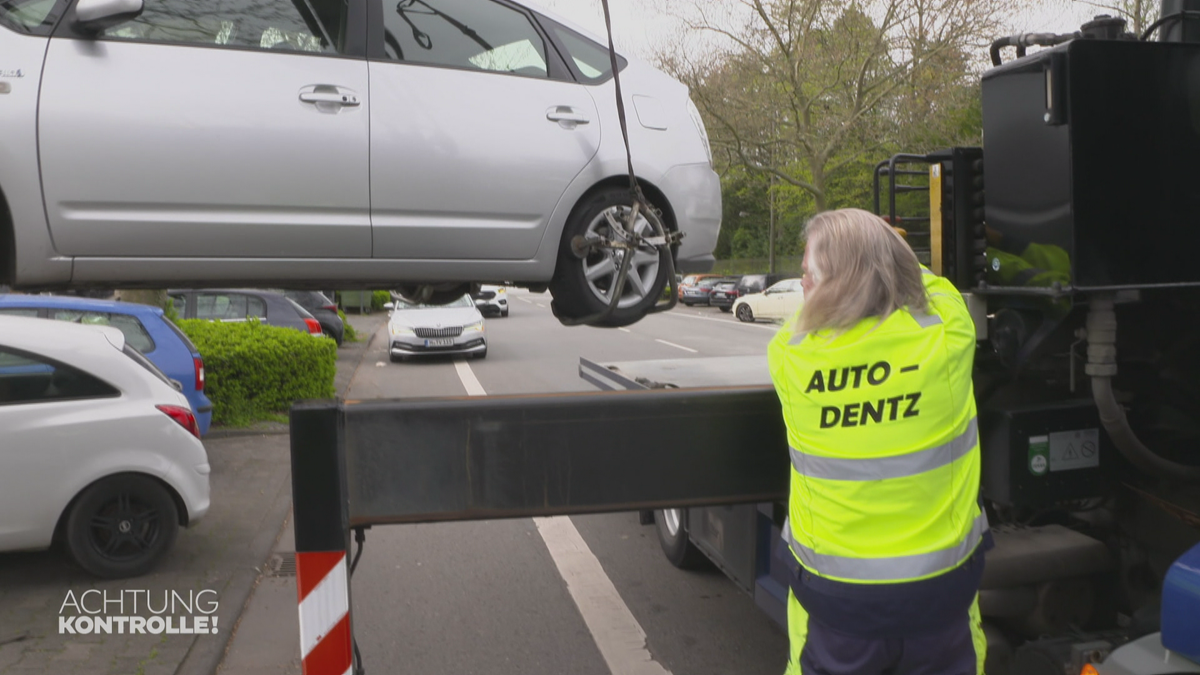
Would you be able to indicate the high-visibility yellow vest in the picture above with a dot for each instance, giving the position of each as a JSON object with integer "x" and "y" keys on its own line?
{"x": 884, "y": 443}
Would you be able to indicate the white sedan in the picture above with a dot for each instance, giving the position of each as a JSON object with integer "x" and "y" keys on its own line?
{"x": 777, "y": 303}
{"x": 100, "y": 450}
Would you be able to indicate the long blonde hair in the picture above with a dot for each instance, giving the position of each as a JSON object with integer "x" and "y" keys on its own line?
{"x": 861, "y": 267}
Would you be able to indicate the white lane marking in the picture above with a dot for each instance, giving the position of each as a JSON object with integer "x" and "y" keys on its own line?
{"x": 728, "y": 322}
{"x": 539, "y": 304}
{"x": 528, "y": 302}
{"x": 621, "y": 640}
{"x": 624, "y": 330}
{"x": 619, "y": 637}
{"x": 672, "y": 344}
{"x": 469, "y": 381}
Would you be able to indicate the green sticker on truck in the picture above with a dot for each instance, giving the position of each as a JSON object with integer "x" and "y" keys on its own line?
{"x": 1039, "y": 455}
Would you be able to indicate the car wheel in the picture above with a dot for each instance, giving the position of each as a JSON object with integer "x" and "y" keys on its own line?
{"x": 504, "y": 313}
{"x": 672, "y": 536}
{"x": 581, "y": 286}
{"x": 744, "y": 313}
{"x": 120, "y": 526}
{"x": 726, "y": 309}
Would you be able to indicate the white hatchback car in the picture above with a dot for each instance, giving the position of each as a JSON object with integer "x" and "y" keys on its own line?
{"x": 777, "y": 303}
{"x": 416, "y": 329}
{"x": 99, "y": 450}
{"x": 344, "y": 143}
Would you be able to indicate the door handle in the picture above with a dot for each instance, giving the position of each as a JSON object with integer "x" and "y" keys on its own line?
{"x": 566, "y": 114}
{"x": 328, "y": 98}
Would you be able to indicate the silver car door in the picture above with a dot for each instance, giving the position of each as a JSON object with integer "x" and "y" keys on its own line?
{"x": 224, "y": 128}
{"x": 475, "y": 132}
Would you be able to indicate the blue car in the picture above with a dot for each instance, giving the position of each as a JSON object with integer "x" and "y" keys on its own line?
{"x": 145, "y": 329}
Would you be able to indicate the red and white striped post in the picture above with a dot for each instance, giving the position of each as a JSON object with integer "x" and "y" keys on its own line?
{"x": 321, "y": 521}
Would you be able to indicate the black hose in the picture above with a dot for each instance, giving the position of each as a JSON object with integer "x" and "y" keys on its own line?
{"x": 1102, "y": 367}
{"x": 1177, "y": 16}
{"x": 1023, "y": 40}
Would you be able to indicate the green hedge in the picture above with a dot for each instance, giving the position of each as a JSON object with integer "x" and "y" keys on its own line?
{"x": 379, "y": 299}
{"x": 254, "y": 371}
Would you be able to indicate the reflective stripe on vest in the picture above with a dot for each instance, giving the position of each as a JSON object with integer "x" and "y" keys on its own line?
{"x": 893, "y": 569}
{"x": 882, "y": 468}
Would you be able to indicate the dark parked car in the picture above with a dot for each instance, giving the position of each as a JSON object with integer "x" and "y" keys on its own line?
{"x": 323, "y": 309}
{"x": 724, "y": 294}
{"x": 698, "y": 294}
{"x": 240, "y": 304}
{"x": 747, "y": 284}
{"x": 145, "y": 329}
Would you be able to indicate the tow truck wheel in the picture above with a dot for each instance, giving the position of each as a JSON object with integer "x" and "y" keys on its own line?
{"x": 672, "y": 535}
{"x": 581, "y": 285}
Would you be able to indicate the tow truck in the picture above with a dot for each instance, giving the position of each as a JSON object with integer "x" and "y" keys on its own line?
{"x": 1072, "y": 235}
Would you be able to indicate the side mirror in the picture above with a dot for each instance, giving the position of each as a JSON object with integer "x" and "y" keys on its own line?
{"x": 94, "y": 16}
{"x": 389, "y": 305}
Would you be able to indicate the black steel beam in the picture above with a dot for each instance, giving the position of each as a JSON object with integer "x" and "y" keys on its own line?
{"x": 428, "y": 460}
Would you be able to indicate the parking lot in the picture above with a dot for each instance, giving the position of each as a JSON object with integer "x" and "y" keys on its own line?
{"x": 454, "y": 598}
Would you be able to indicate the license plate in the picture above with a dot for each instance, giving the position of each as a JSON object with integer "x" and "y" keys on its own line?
{"x": 439, "y": 342}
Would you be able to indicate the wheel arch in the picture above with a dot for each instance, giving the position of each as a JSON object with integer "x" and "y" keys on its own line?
{"x": 180, "y": 508}
{"x": 652, "y": 192}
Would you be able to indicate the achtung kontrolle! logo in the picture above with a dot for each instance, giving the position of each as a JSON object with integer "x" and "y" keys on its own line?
{"x": 131, "y": 612}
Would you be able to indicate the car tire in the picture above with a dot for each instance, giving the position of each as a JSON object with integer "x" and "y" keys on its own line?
{"x": 744, "y": 313}
{"x": 575, "y": 296}
{"x": 671, "y": 525}
{"x": 121, "y": 526}
{"x": 504, "y": 313}
{"x": 726, "y": 309}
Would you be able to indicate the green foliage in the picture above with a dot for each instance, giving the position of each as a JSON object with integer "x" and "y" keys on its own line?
{"x": 379, "y": 299}
{"x": 255, "y": 371}
{"x": 349, "y": 334}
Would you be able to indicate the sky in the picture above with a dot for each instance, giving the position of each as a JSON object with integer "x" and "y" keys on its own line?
{"x": 638, "y": 26}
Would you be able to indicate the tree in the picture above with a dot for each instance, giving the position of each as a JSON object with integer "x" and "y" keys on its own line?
{"x": 806, "y": 89}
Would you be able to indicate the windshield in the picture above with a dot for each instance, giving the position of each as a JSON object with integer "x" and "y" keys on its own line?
{"x": 464, "y": 301}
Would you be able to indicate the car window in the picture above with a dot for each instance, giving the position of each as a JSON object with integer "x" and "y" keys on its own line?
{"x": 471, "y": 34}
{"x": 304, "y": 313}
{"x": 135, "y": 332}
{"x": 464, "y": 301}
{"x": 19, "y": 311}
{"x": 229, "y": 306}
{"x": 785, "y": 286}
{"x": 179, "y": 302}
{"x": 27, "y": 378}
{"x": 36, "y": 17}
{"x": 287, "y": 25}
{"x": 591, "y": 59}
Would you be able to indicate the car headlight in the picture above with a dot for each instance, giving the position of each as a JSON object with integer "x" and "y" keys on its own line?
{"x": 694, "y": 113}
{"x": 402, "y": 330}
{"x": 478, "y": 325}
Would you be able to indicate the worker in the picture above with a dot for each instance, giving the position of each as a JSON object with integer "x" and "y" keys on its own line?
{"x": 885, "y": 532}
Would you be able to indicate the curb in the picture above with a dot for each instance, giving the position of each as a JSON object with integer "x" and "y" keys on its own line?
{"x": 204, "y": 657}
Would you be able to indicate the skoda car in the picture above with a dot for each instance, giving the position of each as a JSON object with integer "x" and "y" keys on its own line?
{"x": 777, "y": 303}
{"x": 492, "y": 300}
{"x": 422, "y": 145}
{"x": 416, "y": 329}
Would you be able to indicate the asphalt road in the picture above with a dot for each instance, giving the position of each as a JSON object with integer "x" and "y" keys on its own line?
{"x": 494, "y": 597}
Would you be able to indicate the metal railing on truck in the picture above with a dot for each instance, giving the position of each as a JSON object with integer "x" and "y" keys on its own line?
{"x": 359, "y": 464}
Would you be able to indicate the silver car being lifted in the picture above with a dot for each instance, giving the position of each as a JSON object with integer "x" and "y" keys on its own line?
{"x": 429, "y": 144}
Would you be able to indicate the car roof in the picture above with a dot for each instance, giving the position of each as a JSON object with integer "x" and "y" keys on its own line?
{"x": 34, "y": 334}
{"x": 72, "y": 302}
